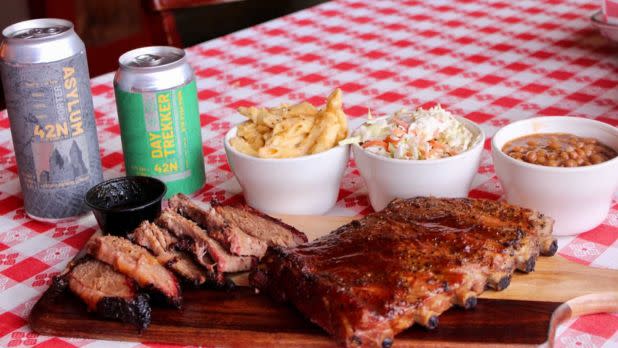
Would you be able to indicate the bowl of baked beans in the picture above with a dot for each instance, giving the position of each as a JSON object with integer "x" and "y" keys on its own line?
{"x": 565, "y": 167}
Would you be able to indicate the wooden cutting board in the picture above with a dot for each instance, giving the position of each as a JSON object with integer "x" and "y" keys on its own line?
{"x": 517, "y": 316}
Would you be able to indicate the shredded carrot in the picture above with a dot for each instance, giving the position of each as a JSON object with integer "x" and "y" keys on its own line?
{"x": 398, "y": 132}
{"x": 391, "y": 140}
{"x": 437, "y": 145}
{"x": 371, "y": 143}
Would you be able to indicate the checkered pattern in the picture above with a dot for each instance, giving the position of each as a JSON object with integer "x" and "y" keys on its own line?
{"x": 492, "y": 61}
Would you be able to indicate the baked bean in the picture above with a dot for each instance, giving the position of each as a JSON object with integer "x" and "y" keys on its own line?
{"x": 531, "y": 156}
{"x": 554, "y": 146}
{"x": 516, "y": 155}
{"x": 553, "y": 163}
{"x": 580, "y": 152}
{"x": 559, "y": 150}
{"x": 580, "y": 161}
{"x": 597, "y": 158}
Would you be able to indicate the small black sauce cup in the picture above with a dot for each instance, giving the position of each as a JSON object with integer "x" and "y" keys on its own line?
{"x": 121, "y": 204}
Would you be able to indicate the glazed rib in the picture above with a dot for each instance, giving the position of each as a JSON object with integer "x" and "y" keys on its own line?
{"x": 137, "y": 263}
{"x": 487, "y": 214}
{"x": 110, "y": 294}
{"x": 227, "y": 234}
{"x": 161, "y": 244}
{"x": 207, "y": 251}
{"x": 374, "y": 277}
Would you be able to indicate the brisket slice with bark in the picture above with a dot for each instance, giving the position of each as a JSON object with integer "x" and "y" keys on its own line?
{"x": 227, "y": 234}
{"x": 161, "y": 244}
{"x": 207, "y": 251}
{"x": 374, "y": 277}
{"x": 137, "y": 263}
{"x": 264, "y": 227}
{"x": 110, "y": 294}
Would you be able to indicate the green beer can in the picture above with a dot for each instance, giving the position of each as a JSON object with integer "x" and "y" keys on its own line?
{"x": 156, "y": 98}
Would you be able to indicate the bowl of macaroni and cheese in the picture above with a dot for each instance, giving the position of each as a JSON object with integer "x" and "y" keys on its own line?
{"x": 420, "y": 153}
{"x": 287, "y": 159}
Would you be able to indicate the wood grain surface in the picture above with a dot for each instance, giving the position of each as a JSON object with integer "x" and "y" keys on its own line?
{"x": 517, "y": 316}
{"x": 243, "y": 319}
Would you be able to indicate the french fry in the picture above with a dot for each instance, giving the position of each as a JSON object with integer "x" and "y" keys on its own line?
{"x": 241, "y": 145}
{"x": 302, "y": 109}
{"x": 334, "y": 104}
{"x": 291, "y": 130}
{"x": 328, "y": 137}
{"x": 294, "y": 126}
{"x": 248, "y": 132}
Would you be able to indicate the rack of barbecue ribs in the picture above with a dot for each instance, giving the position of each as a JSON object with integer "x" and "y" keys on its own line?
{"x": 187, "y": 244}
{"x": 372, "y": 278}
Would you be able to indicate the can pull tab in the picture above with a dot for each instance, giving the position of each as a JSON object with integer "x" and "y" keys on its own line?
{"x": 35, "y": 33}
{"x": 148, "y": 59}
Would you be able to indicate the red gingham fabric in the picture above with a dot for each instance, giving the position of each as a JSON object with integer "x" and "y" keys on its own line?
{"x": 492, "y": 61}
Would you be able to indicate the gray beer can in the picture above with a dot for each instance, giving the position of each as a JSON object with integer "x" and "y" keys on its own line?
{"x": 47, "y": 90}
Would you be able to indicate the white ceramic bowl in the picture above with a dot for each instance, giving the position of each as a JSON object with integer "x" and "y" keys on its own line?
{"x": 307, "y": 185}
{"x": 577, "y": 198}
{"x": 610, "y": 31}
{"x": 389, "y": 178}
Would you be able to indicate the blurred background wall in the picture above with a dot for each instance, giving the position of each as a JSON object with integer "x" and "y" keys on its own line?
{"x": 112, "y": 27}
{"x": 13, "y": 11}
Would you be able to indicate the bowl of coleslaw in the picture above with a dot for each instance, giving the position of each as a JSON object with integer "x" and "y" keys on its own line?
{"x": 426, "y": 152}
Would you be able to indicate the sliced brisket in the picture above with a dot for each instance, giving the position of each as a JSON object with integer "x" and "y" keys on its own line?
{"x": 229, "y": 235}
{"x": 161, "y": 244}
{"x": 207, "y": 251}
{"x": 110, "y": 294}
{"x": 272, "y": 231}
{"x": 137, "y": 263}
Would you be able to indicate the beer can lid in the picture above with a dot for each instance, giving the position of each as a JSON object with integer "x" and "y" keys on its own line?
{"x": 152, "y": 57}
{"x": 37, "y": 29}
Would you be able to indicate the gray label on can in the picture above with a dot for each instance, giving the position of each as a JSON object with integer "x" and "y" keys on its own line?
{"x": 54, "y": 134}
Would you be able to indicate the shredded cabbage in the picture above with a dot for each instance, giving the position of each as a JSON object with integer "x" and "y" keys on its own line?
{"x": 419, "y": 135}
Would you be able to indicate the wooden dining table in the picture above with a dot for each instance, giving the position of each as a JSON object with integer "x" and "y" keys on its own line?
{"x": 491, "y": 61}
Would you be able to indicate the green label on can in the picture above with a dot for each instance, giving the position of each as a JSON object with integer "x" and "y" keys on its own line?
{"x": 161, "y": 136}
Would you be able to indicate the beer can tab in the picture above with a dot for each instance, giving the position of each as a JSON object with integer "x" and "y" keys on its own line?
{"x": 148, "y": 59}
{"x": 35, "y": 33}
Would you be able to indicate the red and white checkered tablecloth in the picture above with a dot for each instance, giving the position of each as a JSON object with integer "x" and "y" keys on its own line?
{"x": 492, "y": 61}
